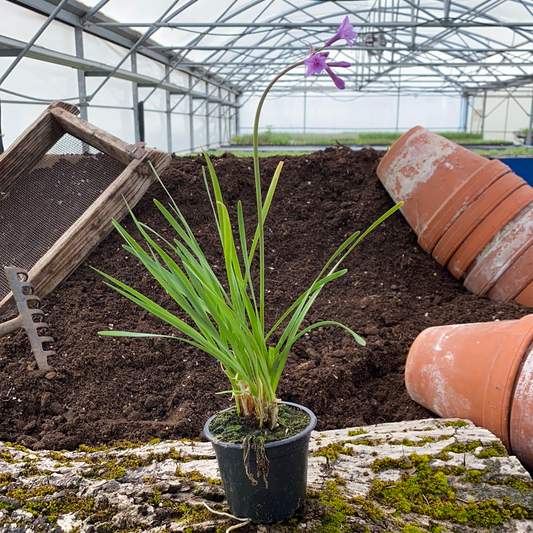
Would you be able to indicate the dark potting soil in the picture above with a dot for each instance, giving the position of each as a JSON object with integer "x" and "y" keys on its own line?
{"x": 108, "y": 389}
{"x": 228, "y": 426}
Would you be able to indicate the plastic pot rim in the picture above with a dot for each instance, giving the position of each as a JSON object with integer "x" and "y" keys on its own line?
{"x": 274, "y": 444}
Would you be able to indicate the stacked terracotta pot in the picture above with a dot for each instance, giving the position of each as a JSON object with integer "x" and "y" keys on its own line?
{"x": 482, "y": 372}
{"x": 475, "y": 216}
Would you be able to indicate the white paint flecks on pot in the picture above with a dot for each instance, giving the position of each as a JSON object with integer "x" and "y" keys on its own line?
{"x": 521, "y": 431}
{"x": 424, "y": 170}
{"x": 469, "y": 370}
{"x": 506, "y": 246}
{"x": 516, "y": 278}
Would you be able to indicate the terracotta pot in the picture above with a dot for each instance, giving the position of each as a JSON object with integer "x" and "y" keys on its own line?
{"x": 470, "y": 371}
{"x": 521, "y": 430}
{"x": 476, "y": 212}
{"x": 526, "y": 296}
{"x": 423, "y": 170}
{"x": 501, "y": 252}
{"x": 515, "y": 279}
{"x": 459, "y": 201}
{"x": 486, "y": 230}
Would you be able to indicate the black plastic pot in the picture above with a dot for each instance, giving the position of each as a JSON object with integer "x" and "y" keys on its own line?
{"x": 287, "y": 476}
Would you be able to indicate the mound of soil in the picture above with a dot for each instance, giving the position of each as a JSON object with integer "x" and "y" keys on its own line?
{"x": 108, "y": 389}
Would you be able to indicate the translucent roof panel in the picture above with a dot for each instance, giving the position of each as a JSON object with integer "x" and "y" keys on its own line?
{"x": 434, "y": 45}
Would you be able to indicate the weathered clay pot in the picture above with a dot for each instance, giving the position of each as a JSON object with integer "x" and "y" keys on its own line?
{"x": 526, "y": 296}
{"x": 424, "y": 170}
{"x": 460, "y": 200}
{"x": 515, "y": 279}
{"x": 472, "y": 371}
{"x": 480, "y": 208}
{"x": 501, "y": 252}
{"x": 521, "y": 428}
{"x": 486, "y": 229}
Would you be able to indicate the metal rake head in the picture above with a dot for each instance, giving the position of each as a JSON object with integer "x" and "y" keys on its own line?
{"x": 31, "y": 317}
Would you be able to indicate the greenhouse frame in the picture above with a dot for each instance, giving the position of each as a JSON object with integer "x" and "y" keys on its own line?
{"x": 181, "y": 75}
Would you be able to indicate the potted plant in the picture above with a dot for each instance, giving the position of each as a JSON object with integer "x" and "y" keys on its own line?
{"x": 261, "y": 444}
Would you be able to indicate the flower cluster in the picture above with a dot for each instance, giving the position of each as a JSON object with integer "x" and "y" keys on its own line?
{"x": 316, "y": 62}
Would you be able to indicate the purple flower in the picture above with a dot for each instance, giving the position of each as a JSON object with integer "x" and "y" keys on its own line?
{"x": 317, "y": 63}
{"x": 346, "y": 32}
{"x": 336, "y": 80}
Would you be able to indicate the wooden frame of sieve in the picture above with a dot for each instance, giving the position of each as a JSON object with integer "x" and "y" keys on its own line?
{"x": 71, "y": 249}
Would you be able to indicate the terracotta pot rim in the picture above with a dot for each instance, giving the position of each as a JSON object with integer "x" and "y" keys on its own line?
{"x": 505, "y": 370}
{"x": 474, "y": 244}
{"x": 459, "y": 201}
{"x": 479, "y": 210}
{"x": 479, "y": 281}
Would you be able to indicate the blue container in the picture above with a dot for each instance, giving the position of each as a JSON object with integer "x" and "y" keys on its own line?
{"x": 521, "y": 166}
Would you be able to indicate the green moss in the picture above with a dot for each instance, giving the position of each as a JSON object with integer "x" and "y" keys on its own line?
{"x": 126, "y": 445}
{"x": 411, "y": 528}
{"x": 355, "y": 432}
{"x": 388, "y": 463}
{"x": 7, "y": 457}
{"x": 443, "y": 456}
{"x": 370, "y": 509}
{"x": 333, "y": 450}
{"x": 513, "y": 482}
{"x": 456, "y": 423}
{"x": 92, "y": 449}
{"x": 426, "y": 491}
{"x": 474, "y": 476}
{"x": 335, "y": 508}
{"x": 33, "y": 500}
{"x": 18, "y": 447}
{"x": 366, "y": 442}
{"x": 407, "y": 442}
{"x": 494, "y": 449}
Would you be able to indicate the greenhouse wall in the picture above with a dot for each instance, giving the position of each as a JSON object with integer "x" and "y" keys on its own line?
{"x": 168, "y": 125}
{"x": 505, "y": 113}
{"x": 349, "y": 111}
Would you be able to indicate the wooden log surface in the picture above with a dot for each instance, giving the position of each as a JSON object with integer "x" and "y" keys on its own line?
{"x": 373, "y": 479}
{"x": 33, "y": 143}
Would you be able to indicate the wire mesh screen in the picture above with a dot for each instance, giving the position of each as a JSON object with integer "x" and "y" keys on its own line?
{"x": 44, "y": 201}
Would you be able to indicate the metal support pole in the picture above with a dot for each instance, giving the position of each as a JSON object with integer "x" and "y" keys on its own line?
{"x": 135, "y": 91}
{"x": 464, "y": 112}
{"x": 1, "y": 134}
{"x": 140, "y": 108}
{"x": 483, "y": 113}
{"x": 207, "y": 128}
{"x": 220, "y": 116}
{"x": 237, "y": 119}
{"x": 31, "y": 42}
{"x": 528, "y": 136}
{"x": 169, "y": 116}
{"x": 305, "y": 111}
{"x": 82, "y": 88}
{"x": 398, "y": 111}
{"x": 191, "y": 116}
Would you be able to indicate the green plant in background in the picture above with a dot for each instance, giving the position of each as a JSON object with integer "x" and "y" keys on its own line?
{"x": 229, "y": 318}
